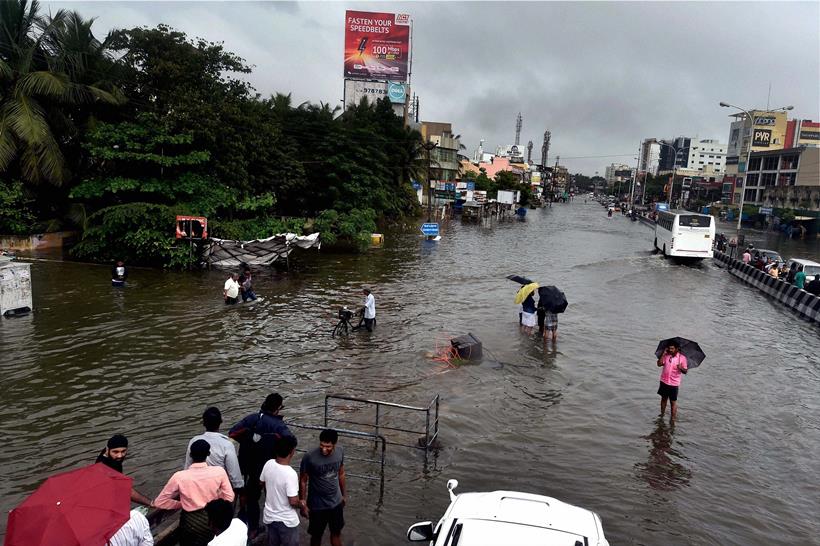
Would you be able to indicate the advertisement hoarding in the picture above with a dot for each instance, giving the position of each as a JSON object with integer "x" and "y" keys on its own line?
{"x": 356, "y": 90}
{"x": 762, "y": 138}
{"x": 377, "y": 45}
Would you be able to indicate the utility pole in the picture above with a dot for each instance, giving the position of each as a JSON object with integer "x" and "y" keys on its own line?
{"x": 545, "y": 149}
{"x": 428, "y": 147}
{"x": 518, "y": 123}
{"x": 529, "y": 151}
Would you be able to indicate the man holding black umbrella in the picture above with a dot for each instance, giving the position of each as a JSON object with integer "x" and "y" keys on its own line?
{"x": 674, "y": 365}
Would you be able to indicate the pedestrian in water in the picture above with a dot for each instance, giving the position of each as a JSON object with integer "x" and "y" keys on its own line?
{"x": 246, "y": 285}
{"x": 257, "y": 434}
{"x": 231, "y": 290}
{"x": 369, "y": 311}
{"x": 550, "y": 325}
{"x": 222, "y": 451}
{"x": 191, "y": 490}
{"x": 228, "y": 530}
{"x": 674, "y": 366}
{"x": 119, "y": 274}
{"x": 800, "y": 278}
{"x": 282, "y": 496}
{"x": 113, "y": 455}
{"x": 528, "y": 318}
{"x": 322, "y": 484}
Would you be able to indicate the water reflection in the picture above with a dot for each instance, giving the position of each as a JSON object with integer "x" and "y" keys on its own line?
{"x": 661, "y": 471}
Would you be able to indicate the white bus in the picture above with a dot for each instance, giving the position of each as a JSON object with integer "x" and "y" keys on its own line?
{"x": 684, "y": 234}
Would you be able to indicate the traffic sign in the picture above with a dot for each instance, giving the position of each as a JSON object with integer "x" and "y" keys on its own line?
{"x": 430, "y": 230}
{"x": 766, "y": 210}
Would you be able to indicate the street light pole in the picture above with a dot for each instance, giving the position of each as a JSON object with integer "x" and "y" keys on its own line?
{"x": 748, "y": 153}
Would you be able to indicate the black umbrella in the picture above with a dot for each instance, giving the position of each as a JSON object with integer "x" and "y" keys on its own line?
{"x": 552, "y": 299}
{"x": 519, "y": 279}
{"x": 691, "y": 350}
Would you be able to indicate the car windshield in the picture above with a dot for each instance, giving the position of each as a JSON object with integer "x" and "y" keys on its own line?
{"x": 474, "y": 532}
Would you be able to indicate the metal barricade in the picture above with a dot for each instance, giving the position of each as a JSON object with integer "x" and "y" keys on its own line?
{"x": 370, "y": 437}
{"x": 429, "y": 434}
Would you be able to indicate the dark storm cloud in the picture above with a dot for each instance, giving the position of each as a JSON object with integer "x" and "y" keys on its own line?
{"x": 599, "y": 76}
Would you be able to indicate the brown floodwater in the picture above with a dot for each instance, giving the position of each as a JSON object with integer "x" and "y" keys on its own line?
{"x": 577, "y": 421}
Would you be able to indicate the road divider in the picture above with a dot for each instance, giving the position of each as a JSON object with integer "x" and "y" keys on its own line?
{"x": 801, "y": 301}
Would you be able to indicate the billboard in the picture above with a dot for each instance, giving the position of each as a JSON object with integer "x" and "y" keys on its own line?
{"x": 377, "y": 45}
{"x": 356, "y": 90}
{"x": 762, "y": 138}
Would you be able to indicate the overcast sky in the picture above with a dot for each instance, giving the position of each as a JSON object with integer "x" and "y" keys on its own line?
{"x": 599, "y": 75}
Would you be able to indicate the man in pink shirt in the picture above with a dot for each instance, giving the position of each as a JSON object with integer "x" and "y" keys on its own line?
{"x": 195, "y": 488}
{"x": 674, "y": 366}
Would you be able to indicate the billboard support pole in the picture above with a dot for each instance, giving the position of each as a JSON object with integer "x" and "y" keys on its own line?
{"x": 427, "y": 148}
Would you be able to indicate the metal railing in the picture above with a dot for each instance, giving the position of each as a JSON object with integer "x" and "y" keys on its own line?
{"x": 430, "y": 416}
{"x": 374, "y": 437}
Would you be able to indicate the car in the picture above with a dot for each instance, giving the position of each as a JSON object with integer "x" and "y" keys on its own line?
{"x": 773, "y": 254}
{"x": 509, "y": 517}
{"x": 810, "y": 268}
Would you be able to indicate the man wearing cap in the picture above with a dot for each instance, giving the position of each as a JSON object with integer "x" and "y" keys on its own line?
{"x": 191, "y": 490}
{"x": 257, "y": 434}
{"x": 223, "y": 452}
{"x": 113, "y": 455}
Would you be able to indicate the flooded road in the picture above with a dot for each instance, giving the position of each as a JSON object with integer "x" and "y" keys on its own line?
{"x": 577, "y": 422}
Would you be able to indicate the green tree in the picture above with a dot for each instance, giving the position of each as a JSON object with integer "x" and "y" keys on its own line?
{"x": 33, "y": 89}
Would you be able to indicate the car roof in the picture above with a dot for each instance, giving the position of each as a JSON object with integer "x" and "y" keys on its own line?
{"x": 478, "y": 532}
{"x": 801, "y": 261}
{"x": 525, "y": 509}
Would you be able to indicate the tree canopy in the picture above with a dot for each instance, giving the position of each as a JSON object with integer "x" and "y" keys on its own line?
{"x": 115, "y": 136}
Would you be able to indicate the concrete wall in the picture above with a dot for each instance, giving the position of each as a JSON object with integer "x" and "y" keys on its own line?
{"x": 801, "y": 301}
{"x": 40, "y": 241}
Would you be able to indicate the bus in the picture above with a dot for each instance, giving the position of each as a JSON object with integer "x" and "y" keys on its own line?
{"x": 684, "y": 234}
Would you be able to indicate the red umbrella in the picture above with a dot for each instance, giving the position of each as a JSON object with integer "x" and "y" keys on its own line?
{"x": 76, "y": 508}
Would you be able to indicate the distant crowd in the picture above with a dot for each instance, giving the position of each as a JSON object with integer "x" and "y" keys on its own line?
{"x": 214, "y": 475}
{"x": 793, "y": 275}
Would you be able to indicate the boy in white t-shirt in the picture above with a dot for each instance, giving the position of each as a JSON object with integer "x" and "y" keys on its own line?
{"x": 281, "y": 485}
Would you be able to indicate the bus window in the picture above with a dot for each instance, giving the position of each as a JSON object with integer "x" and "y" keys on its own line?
{"x": 691, "y": 220}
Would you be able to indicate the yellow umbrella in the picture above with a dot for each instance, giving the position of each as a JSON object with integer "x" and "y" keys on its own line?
{"x": 525, "y": 291}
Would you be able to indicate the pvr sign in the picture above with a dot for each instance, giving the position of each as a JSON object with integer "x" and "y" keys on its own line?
{"x": 762, "y": 138}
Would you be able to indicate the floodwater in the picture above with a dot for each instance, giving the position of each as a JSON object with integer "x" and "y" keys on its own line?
{"x": 578, "y": 421}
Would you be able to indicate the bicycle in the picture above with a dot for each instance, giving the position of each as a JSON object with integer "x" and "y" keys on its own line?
{"x": 344, "y": 326}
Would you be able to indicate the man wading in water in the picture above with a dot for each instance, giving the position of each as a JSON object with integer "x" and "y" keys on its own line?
{"x": 674, "y": 366}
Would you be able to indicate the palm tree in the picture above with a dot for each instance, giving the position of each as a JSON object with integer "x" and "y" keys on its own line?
{"x": 35, "y": 86}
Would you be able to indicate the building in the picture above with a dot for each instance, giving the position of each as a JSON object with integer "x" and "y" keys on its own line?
{"x": 650, "y": 156}
{"x": 803, "y": 132}
{"x": 707, "y": 156}
{"x": 514, "y": 152}
{"x": 617, "y": 172}
{"x": 788, "y": 178}
{"x": 670, "y": 159}
{"x": 766, "y": 131}
{"x": 444, "y": 157}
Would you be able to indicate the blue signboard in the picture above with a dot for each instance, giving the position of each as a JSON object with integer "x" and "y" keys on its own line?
{"x": 449, "y": 186}
{"x": 416, "y": 186}
{"x": 471, "y": 186}
{"x": 396, "y": 92}
{"x": 431, "y": 230}
{"x": 662, "y": 206}
{"x": 766, "y": 210}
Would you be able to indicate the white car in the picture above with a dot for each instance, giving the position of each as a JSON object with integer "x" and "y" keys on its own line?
{"x": 510, "y": 517}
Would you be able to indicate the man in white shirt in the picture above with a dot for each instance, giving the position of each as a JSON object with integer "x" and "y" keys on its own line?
{"x": 282, "y": 496}
{"x": 223, "y": 452}
{"x": 369, "y": 310}
{"x": 228, "y": 530}
{"x": 231, "y": 289}
{"x": 134, "y": 532}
